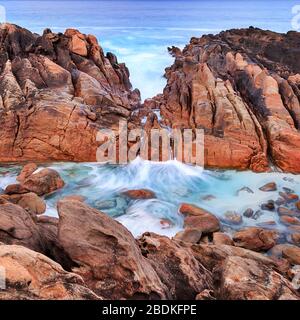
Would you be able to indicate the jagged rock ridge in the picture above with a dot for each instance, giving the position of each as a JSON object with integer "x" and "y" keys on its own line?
{"x": 56, "y": 92}
{"x": 243, "y": 88}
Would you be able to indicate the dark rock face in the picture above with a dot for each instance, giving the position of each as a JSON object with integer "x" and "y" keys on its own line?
{"x": 54, "y": 86}
{"x": 242, "y": 88}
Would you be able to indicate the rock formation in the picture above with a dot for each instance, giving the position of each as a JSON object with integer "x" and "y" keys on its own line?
{"x": 242, "y": 87}
{"x": 31, "y": 275}
{"x": 53, "y": 87}
{"x": 85, "y": 254}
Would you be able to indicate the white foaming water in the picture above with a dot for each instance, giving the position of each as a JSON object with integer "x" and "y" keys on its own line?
{"x": 173, "y": 183}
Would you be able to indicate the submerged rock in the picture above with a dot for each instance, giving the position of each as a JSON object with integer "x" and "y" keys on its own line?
{"x": 269, "y": 206}
{"x": 288, "y": 220}
{"x": 75, "y": 197}
{"x": 269, "y": 187}
{"x": 244, "y": 189}
{"x": 140, "y": 194}
{"x": 289, "y": 197}
{"x": 283, "y": 211}
{"x": 248, "y": 213}
{"x": 233, "y": 217}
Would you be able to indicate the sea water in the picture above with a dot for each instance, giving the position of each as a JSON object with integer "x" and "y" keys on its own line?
{"x": 173, "y": 183}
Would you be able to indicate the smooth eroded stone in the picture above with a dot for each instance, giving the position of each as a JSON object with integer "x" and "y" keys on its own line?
{"x": 189, "y": 235}
{"x": 256, "y": 239}
{"x": 248, "y": 213}
{"x": 269, "y": 187}
{"x": 283, "y": 211}
{"x": 295, "y": 237}
{"x": 289, "y": 197}
{"x": 140, "y": 194}
{"x": 17, "y": 226}
{"x": 222, "y": 238}
{"x": 43, "y": 182}
{"x": 288, "y": 220}
{"x": 269, "y": 206}
{"x": 30, "y": 202}
{"x": 15, "y": 189}
{"x": 200, "y": 219}
{"x": 292, "y": 254}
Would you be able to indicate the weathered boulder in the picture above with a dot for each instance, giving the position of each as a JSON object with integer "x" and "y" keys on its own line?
{"x": 17, "y": 226}
{"x": 31, "y": 202}
{"x": 200, "y": 219}
{"x": 189, "y": 235}
{"x": 247, "y": 279}
{"x": 256, "y": 239}
{"x": 33, "y": 276}
{"x": 292, "y": 254}
{"x": 241, "y": 274}
{"x": 44, "y": 182}
{"x": 176, "y": 266}
{"x": 106, "y": 253}
{"x": 221, "y": 238}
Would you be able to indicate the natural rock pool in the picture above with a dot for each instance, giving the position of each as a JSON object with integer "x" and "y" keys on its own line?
{"x": 174, "y": 183}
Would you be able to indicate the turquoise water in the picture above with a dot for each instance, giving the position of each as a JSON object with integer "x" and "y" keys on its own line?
{"x": 174, "y": 183}
{"x": 139, "y": 32}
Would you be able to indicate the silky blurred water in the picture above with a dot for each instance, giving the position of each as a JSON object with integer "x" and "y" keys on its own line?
{"x": 139, "y": 32}
{"x": 173, "y": 183}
